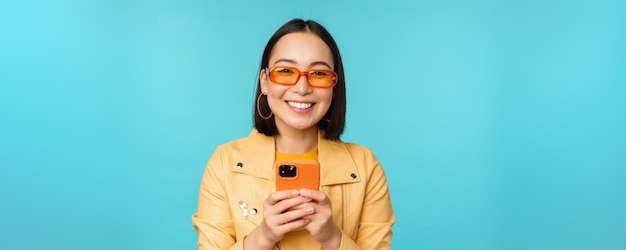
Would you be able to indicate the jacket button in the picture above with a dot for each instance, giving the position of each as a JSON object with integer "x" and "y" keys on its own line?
{"x": 239, "y": 165}
{"x": 253, "y": 211}
{"x": 353, "y": 175}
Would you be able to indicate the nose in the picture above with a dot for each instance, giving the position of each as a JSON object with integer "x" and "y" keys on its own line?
{"x": 302, "y": 86}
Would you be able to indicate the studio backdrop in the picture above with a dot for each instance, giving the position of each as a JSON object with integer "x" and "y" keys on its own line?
{"x": 500, "y": 124}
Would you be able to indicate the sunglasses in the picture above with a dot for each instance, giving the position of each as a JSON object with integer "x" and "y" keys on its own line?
{"x": 317, "y": 78}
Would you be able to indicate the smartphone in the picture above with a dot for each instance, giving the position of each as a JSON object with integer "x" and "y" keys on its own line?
{"x": 297, "y": 174}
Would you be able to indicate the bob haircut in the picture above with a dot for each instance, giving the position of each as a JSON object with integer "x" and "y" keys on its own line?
{"x": 336, "y": 112}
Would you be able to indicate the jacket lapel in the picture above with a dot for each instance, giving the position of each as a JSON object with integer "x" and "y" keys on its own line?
{"x": 336, "y": 163}
{"x": 256, "y": 155}
{"x": 258, "y": 152}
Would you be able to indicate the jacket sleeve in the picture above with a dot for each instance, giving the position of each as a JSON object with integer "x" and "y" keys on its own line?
{"x": 213, "y": 221}
{"x": 377, "y": 215}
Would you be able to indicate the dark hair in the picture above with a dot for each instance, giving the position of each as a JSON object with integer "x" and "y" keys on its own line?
{"x": 336, "y": 112}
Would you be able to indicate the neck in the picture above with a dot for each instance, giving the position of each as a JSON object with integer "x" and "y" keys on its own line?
{"x": 296, "y": 141}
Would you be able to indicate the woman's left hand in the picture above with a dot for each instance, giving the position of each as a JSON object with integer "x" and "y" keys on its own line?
{"x": 321, "y": 226}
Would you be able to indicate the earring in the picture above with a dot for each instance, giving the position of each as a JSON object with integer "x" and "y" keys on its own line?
{"x": 258, "y": 108}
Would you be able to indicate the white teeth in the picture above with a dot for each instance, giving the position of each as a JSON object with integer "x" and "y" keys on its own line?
{"x": 300, "y": 105}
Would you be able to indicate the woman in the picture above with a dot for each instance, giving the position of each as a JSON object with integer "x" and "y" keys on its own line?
{"x": 299, "y": 113}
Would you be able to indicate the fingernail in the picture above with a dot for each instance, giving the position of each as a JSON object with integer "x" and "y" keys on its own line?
{"x": 295, "y": 193}
{"x": 309, "y": 209}
{"x": 302, "y": 191}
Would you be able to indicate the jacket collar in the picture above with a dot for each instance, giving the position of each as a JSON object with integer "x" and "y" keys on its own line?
{"x": 336, "y": 164}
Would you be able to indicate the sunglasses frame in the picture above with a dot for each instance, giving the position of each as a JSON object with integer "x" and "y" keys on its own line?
{"x": 301, "y": 73}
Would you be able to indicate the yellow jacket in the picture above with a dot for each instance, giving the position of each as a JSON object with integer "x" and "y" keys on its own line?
{"x": 239, "y": 177}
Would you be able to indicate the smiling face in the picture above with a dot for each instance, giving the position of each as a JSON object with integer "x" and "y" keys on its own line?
{"x": 298, "y": 107}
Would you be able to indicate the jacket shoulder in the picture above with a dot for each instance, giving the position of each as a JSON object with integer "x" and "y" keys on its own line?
{"x": 363, "y": 154}
{"x": 355, "y": 148}
{"x": 235, "y": 145}
{"x": 224, "y": 152}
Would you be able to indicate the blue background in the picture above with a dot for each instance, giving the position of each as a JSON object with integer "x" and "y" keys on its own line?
{"x": 500, "y": 123}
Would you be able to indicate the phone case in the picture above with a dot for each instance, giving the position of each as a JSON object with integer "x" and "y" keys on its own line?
{"x": 307, "y": 174}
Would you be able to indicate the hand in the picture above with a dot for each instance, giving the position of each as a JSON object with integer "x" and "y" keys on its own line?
{"x": 321, "y": 225}
{"x": 282, "y": 213}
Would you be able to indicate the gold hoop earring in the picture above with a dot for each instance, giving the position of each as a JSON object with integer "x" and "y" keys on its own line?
{"x": 258, "y": 108}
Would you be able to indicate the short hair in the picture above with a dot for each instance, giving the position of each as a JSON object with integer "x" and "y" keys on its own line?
{"x": 336, "y": 112}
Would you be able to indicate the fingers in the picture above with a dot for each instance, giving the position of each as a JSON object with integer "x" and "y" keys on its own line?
{"x": 282, "y": 213}
{"x": 294, "y": 219}
{"x": 284, "y": 207}
{"x": 303, "y": 205}
{"x": 281, "y": 195}
{"x": 318, "y": 196}
{"x": 319, "y": 203}
{"x": 305, "y": 208}
{"x": 283, "y": 217}
{"x": 321, "y": 226}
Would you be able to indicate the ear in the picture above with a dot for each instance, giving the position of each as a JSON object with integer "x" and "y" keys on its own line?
{"x": 263, "y": 81}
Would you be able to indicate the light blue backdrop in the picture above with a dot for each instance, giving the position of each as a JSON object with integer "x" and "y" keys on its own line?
{"x": 501, "y": 124}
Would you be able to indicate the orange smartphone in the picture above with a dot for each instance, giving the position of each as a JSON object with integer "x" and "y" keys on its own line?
{"x": 297, "y": 174}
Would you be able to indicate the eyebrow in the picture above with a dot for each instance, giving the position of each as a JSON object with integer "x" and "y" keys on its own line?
{"x": 312, "y": 64}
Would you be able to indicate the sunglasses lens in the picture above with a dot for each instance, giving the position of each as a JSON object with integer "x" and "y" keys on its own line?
{"x": 316, "y": 78}
{"x": 321, "y": 78}
{"x": 284, "y": 75}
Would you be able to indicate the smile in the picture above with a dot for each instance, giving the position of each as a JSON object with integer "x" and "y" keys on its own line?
{"x": 300, "y": 105}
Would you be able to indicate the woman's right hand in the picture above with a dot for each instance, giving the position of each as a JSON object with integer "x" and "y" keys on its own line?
{"x": 282, "y": 213}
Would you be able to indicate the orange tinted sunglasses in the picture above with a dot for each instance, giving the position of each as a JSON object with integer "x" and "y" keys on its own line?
{"x": 317, "y": 78}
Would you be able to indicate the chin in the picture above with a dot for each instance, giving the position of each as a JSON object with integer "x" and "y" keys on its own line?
{"x": 302, "y": 126}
